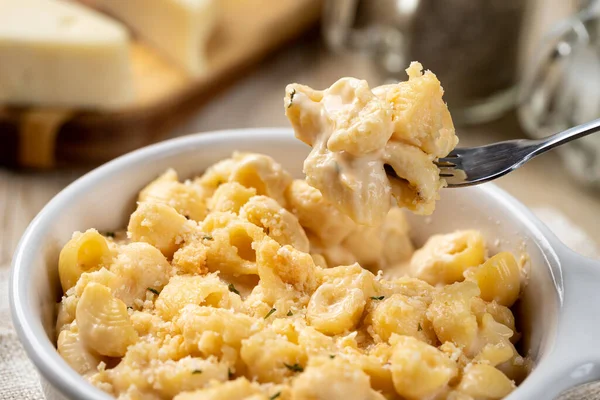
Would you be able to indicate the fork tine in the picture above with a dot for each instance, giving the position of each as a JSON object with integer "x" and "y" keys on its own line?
{"x": 445, "y": 164}
{"x": 452, "y": 154}
{"x": 446, "y": 160}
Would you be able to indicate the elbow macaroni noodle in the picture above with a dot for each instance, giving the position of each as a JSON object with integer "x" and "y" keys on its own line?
{"x": 246, "y": 284}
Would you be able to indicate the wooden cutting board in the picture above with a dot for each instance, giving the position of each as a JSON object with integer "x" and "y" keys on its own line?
{"x": 247, "y": 32}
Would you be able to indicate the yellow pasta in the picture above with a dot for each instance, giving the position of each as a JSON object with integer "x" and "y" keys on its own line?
{"x": 418, "y": 182}
{"x": 334, "y": 255}
{"x": 366, "y": 246}
{"x": 333, "y": 309}
{"x": 139, "y": 266}
{"x": 103, "y": 276}
{"x": 500, "y": 313}
{"x": 250, "y": 170}
{"x": 444, "y": 258}
{"x": 317, "y": 215}
{"x": 230, "y": 197}
{"x": 185, "y": 198}
{"x": 214, "y": 176}
{"x": 245, "y": 284}
{"x": 189, "y": 373}
{"x": 276, "y": 221}
{"x": 493, "y": 346}
{"x": 481, "y": 381}
{"x": 215, "y": 331}
{"x": 159, "y": 225}
{"x": 421, "y": 117}
{"x": 376, "y": 364}
{"x": 127, "y": 377}
{"x": 66, "y": 313}
{"x": 285, "y": 266}
{"x": 233, "y": 390}
{"x": 451, "y": 315}
{"x": 86, "y": 251}
{"x": 419, "y": 370}
{"x": 411, "y": 287}
{"x": 271, "y": 357}
{"x": 358, "y": 135}
{"x": 402, "y": 315}
{"x": 71, "y": 349}
{"x": 395, "y": 233}
{"x": 216, "y": 220}
{"x": 187, "y": 289}
{"x": 499, "y": 279}
{"x": 191, "y": 258}
{"x": 319, "y": 260}
{"x": 230, "y": 249}
{"x": 337, "y": 305}
{"x": 370, "y": 246}
{"x": 103, "y": 322}
{"x": 327, "y": 378}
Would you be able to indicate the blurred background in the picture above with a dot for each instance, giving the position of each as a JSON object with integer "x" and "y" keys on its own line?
{"x": 82, "y": 82}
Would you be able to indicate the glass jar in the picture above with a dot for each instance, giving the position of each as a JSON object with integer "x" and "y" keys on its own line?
{"x": 563, "y": 90}
{"x": 471, "y": 45}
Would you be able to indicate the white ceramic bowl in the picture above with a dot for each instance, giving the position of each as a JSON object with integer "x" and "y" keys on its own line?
{"x": 559, "y": 311}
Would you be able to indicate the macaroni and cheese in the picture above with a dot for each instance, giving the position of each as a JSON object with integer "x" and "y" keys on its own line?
{"x": 357, "y": 133}
{"x": 245, "y": 283}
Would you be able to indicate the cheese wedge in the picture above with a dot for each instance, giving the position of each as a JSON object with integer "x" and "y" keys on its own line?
{"x": 179, "y": 29}
{"x": 57, "y": 53}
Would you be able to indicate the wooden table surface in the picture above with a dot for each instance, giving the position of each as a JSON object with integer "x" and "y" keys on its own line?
{"x": 257, "y": 101}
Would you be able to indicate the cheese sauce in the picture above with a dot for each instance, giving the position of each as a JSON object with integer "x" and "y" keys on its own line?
{"x": 357, "y": 133}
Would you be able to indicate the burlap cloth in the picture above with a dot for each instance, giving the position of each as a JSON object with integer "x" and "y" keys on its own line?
{"x": 18, "y": 378}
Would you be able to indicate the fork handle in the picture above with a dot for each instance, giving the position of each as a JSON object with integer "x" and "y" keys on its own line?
{"x": 557, "y": 139}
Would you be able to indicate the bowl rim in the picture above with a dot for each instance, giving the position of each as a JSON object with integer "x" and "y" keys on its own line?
{"x": 42, "y": 352}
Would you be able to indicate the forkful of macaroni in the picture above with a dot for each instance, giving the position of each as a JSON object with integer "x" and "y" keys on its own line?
{"x": 396, "y": 141}
{"x": 372, "y": 145}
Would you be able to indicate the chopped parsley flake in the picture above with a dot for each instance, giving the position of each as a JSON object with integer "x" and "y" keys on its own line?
{"x": 110, "y": 234}
{"x": 295, "y": 367}
{"x": 229, "y": 373}
{"x": 377, "y": 298}
{"x": 207, "y": 237}
{"x": 290, "y": 313}
{"x": 270, "y": 313}
{"x": 332, "y": 356}
{"x": 233, "y": 289}
{"x": 292, "y": 94}
{"x": 276, "y": 395}
{"x": 153, "y": 290}
{"x": 196, "y": 371}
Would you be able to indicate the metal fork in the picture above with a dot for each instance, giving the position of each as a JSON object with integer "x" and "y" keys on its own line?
{"x": 475, "y": 165}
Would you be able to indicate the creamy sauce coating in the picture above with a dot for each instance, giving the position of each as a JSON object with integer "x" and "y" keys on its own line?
{"x": 356, "y": 133}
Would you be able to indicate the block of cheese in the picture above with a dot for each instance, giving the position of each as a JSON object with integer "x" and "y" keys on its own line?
{"x": 179, "y": 29}
{"x": 57, "y": 53}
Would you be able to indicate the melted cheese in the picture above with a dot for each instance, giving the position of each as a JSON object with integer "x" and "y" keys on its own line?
{"x": 355, "y": 132}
